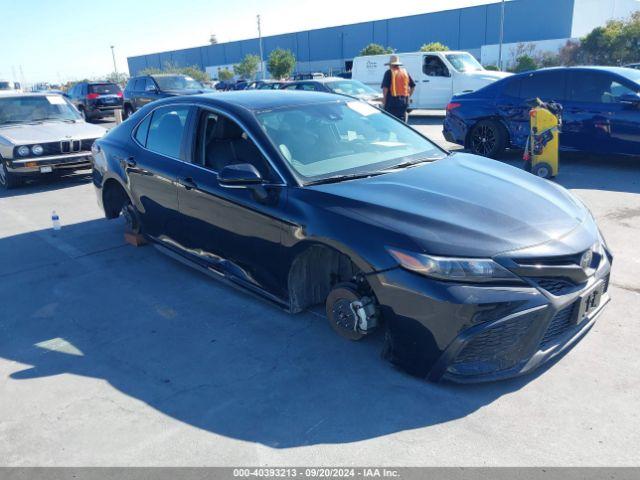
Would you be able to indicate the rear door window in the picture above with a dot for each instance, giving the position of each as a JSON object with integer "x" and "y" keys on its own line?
{"x": 543, "y": 85}
{"x": 142, "y": 131}
{"x": 167, "y": 129}
{"x": 513, "y": 88}
{"x": 149, "y": 85}
{"x": 596, "y": 87}
{"x": 104, "y": 89}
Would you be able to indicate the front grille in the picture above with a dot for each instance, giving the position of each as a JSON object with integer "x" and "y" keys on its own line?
{"x": 556, "y": 286}
{"x": 498, "y": 348}
{"x": 70, "y": 146}
{"x": 57, "y": 148}
{"x": 560, "y": 324}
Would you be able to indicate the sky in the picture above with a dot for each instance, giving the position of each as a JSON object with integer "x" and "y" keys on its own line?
{"x": 60, "y": 40}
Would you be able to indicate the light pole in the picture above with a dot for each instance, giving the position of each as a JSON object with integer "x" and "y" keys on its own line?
{"x": 113, "y": 55}
{"x": 501, "y": 35}
{"x": 260, "y": 44}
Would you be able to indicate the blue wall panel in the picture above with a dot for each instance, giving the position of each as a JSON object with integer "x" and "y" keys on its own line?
{"x": 355, "y": 37}
{"x": 303, "y": 46}
{"x": 381, "y": 32}
{"x": 269, "y": 44}
{"x": 465, "y": 29}
{"x": 473, "y": 27}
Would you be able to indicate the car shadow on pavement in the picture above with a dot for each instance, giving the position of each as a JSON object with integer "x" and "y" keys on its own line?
{"x": 196, "y": 350}
{"x": 48, "y": 182}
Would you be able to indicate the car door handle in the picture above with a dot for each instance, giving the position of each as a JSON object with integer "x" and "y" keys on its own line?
{"x": 187, "y": 183}
{"x": 426, "y": 81}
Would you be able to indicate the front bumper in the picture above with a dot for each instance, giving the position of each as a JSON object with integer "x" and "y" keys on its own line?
{"x": 34, "y": 165}
{"x": 471, "y": 333}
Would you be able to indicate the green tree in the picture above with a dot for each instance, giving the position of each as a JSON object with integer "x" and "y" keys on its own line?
{"x": 493, "y": 68}
{"x": 375, "y": 49}
{"x": 119, "y": 77}
{"x": 248, "y": 67}
{"x": 434, "y": 47}
{"x": 570, "y": 54}
{"x": 224, "y": 74}
{"x": 616, "y": 43}
{"x": 547, "y": 59}
{"x": 524, "y": 63}
{"x": 281, "y": 63}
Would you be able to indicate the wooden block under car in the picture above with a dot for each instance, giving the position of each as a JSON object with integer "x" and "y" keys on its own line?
{"x": 134, "y": 239}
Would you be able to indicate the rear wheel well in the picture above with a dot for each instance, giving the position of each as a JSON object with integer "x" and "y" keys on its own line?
{"x": 114, "y": 197}
{"x": 314, "y": 272}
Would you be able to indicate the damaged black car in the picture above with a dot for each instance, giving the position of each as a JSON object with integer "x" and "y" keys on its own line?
{"x": 475, "y": 270}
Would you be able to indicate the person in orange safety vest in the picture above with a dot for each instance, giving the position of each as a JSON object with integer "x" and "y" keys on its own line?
{"x": 397, "y": 88}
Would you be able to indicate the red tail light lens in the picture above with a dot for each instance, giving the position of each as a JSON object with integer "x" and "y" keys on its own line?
{"x": 92, "y": 96}
{"x": 452, "y": 106}
{"x": 119, "y": 94}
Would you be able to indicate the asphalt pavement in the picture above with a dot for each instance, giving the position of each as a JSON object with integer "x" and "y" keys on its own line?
{"x": 112, "y": 355}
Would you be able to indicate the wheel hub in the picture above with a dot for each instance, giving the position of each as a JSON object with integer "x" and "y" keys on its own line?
{"x": 343, "y": 314}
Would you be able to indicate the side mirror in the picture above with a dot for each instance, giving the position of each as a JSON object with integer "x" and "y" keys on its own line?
{"x": 240, "y": 175}
{"x": 630, "y": 98}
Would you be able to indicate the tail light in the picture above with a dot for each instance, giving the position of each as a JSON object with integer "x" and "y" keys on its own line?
{"x": 119, "y": 94}
{"x": 452, "y": 106}
{"x": 92, "y": 96}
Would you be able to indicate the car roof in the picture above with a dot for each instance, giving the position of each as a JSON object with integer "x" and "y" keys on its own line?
{"x": 627, "y": 73}
{"x": 257, "y": 100}
{"x": 617, "y": 70}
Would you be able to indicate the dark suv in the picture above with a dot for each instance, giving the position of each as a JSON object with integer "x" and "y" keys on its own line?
{"x": 147, "y": 88}
{"x": 96, "y": 99}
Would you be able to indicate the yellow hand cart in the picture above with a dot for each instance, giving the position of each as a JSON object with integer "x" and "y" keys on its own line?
{"x": 542, "y": 148}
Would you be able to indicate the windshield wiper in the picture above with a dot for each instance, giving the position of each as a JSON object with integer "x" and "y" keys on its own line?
{"x": 412, "y": 163}
{"x": 35, "y": 120}
{"x": 13, "y": 122}
{"x": 342, "y": 178}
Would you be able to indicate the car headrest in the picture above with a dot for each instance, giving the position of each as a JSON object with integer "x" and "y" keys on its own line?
{"x": 227, "y": 130}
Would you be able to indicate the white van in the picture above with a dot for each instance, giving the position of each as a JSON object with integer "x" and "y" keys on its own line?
{"x": 438, "y": 75}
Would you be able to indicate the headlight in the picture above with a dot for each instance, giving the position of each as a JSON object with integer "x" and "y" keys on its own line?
{"x": 37, "y": 150}
{"x": 23, "y": 151}
{"x": 475, "y": 270}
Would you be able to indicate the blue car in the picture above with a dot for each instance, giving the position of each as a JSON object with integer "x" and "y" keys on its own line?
{"x": 601, "y": 111}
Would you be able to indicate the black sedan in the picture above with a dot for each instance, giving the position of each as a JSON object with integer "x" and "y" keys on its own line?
{"x": 474, "y": 269}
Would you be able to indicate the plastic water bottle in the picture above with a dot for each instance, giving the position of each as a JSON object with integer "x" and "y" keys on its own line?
{"x": 55, "y": 220}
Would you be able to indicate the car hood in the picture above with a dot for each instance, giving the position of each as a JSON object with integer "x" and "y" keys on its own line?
{"x": 463, "y": 205}
{"x": 50, "y": 132}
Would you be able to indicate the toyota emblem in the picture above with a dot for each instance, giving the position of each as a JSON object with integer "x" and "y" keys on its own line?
{"x": 585, "y": 260}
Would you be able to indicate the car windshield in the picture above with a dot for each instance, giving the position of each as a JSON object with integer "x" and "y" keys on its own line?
{"x": 36, "y": 108}
{"x": 631, "y": 74}
{"x": 342, "y": 139}
{"x": 351, "y": 87}
{"x": 464, "y": 62}
{"x": 104, "y": 88}
{"x": 177, "y": 82}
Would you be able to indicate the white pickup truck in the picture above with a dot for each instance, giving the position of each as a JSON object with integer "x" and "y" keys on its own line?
{"x": 438, "y": 75}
